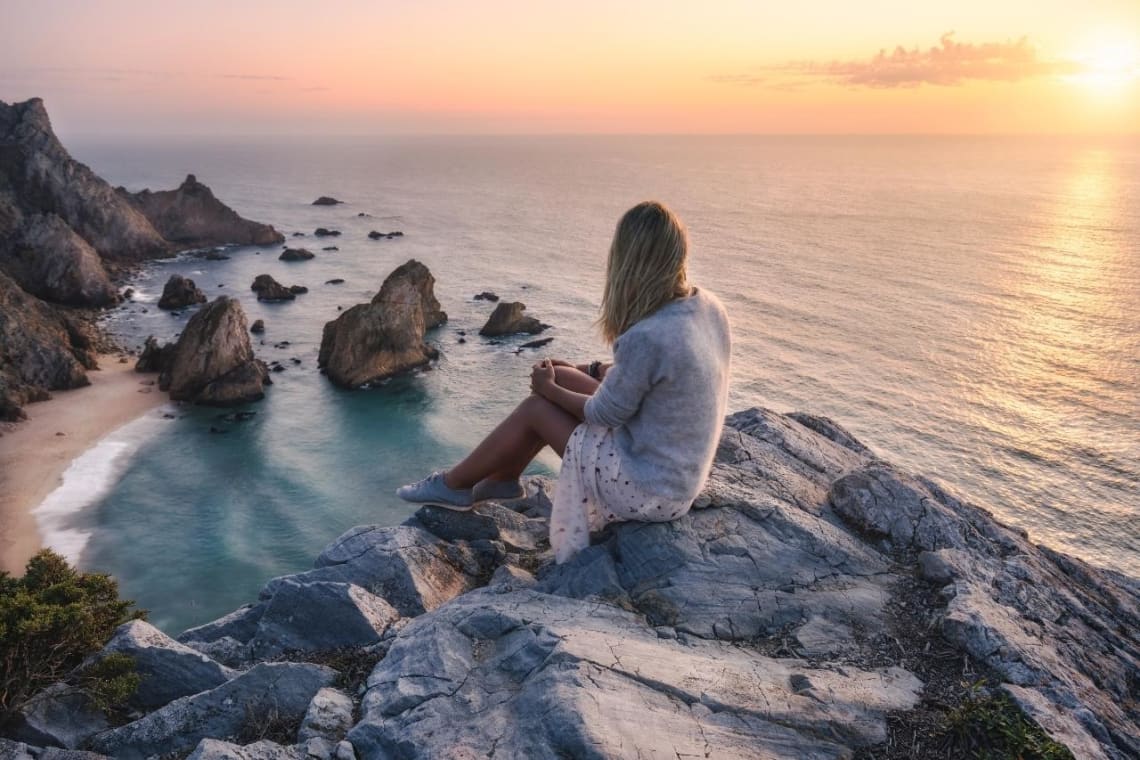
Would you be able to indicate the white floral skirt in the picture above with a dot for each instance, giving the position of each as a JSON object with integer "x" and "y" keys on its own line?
{"x": 593, "y": 491}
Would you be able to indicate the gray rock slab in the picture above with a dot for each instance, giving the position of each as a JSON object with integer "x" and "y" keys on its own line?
{"x": 488, "y": 520}
{"x": 280, "y": 690}
{"x": 239, "y": 625}
{"x": 215, "y": 749}
{"x": 319, "y": 616}
{"x": 329, "y": 716}
{"x": 407, "y": 566}
{"x": 59, "y": 716}
{"x": 1048, "y": 623}
{"x": 10, "y": 750}
{"x": 168, "y": 669}
{"x": 525, "y": 674}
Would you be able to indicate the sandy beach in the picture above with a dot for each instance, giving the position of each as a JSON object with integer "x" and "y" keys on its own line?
{"x": 34, "y": 455}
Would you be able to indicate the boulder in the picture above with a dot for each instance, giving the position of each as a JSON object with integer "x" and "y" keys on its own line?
{"x": 487, "y": 295}
{"x": 179, "y": 293}
{"x": 326, "y": 200}
{"x": 258, "y": 326}
{"x": 408, "y": 567}
{"x": 268, "y": 289}
{"x": 42, "y": 349}
{"x": 191, "y": 217}
{"x": 296, "y": 254}
{"x": 216, "y": 749}
{"x": 298, "y": 290}
{"x": 212, "y": 363}
{"x": 329, "y": 717}
{"x": 525, "y": 674}
{"x": 279, "y": 691}
{"x": 374, "y": 341}
{"x": 376, "y": 235}
{"x": 59, "y": 716}
{"x": 326, "y": 232}
{"x": 319, "y": 616}
{"x": 169, "y": 670}
{"x": 508, "y": 319}
{"x": 49, "y": 260}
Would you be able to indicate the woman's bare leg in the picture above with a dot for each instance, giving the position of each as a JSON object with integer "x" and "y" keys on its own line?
{"x": 533, "y": 425}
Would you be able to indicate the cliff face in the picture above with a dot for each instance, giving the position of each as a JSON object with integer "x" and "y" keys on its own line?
{"x": 62, "y": 229}
{"x": 37, "y": 175}
{"x": 815, "y": 603}
{"x": 191, "y": 217}
{"x": 41, "y": 349}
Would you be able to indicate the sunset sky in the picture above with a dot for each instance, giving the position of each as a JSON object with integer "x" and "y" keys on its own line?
{"x": 593, "y": 66}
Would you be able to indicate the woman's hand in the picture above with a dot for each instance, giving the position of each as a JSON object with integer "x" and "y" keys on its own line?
{"x": 542, "y": 377}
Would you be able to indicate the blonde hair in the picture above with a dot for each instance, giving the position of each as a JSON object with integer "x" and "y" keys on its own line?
{"x": 646, "y": 267}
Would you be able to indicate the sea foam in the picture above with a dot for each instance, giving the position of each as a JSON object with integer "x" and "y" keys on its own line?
{"x": 88, "y": 479}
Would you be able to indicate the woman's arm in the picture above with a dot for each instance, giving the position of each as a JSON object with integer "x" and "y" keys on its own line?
{"x": 542, "y": 382}
{"x": 584, "y": 368}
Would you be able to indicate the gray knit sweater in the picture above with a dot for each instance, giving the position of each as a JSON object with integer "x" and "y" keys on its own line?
{"x": 665, "y": 395}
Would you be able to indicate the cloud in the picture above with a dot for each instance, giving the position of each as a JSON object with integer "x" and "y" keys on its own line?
{"x": 257, "y": 77}
{"x": 947, "y": 64}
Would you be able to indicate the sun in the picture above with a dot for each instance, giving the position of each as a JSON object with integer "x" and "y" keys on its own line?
{"x": 1106, "y": 67}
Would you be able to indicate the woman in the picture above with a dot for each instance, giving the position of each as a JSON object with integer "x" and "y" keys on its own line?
{"x": 637, "y": 436}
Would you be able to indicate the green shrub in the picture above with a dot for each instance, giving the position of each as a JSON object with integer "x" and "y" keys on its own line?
{"x": 50, "y": 621}
{"x": 992, "y": 727}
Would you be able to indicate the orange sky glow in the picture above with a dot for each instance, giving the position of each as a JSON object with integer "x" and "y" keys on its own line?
{"x": 509, "y": 66}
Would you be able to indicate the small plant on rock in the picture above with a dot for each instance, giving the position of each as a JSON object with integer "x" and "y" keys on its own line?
{"x": 52, "y": 619}
{"x": 991, "y": 726}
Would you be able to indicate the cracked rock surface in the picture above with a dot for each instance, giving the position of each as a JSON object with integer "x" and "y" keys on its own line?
{"x": 790, "y": 614}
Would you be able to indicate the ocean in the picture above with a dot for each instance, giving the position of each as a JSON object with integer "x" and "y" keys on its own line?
{"x": 968, "y": 307}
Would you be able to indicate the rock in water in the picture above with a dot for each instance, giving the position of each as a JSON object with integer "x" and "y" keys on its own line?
{"x": 325, "y": 200}
{"x": 50, "y": 261}
{"x": 296, "y": 254}
{"x": 191, "y": 217}
{"x": 508, "y": 319}
{"x": 376, "y": 340}
{"x": 213, "y": 362}
{"x": 179, "y": 293}
{"x": 258, "y": 326}
{"x": 268, "y": 289}
{"x": 487, "y": 295}
{"x": 42, "y": 349}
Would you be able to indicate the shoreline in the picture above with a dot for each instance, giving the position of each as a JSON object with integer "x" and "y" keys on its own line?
{"x": 34, "y": 457}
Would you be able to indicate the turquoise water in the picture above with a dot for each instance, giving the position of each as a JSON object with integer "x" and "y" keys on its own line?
{"x": 969, "y": 308}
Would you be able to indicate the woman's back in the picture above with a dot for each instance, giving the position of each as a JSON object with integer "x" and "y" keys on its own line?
{"x": 667, "y": 393}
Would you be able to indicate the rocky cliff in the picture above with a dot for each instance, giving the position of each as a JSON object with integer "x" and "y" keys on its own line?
{"x": 191, "y": 217}
{"x": 63, "y": 233}
{"x": 42, "y": 349}
{"x": 37, "y": 175}
{"x": 815, "y": 603}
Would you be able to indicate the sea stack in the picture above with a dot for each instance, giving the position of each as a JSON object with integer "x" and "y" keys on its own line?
{"x": 508, "y": 319}
{"x": 179, "y": 293}
{"x": 213, "y": 363}
{"x": 374, "y": 341}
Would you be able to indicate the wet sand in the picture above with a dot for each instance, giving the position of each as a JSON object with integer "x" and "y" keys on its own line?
{"x": 34, "y": 456}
